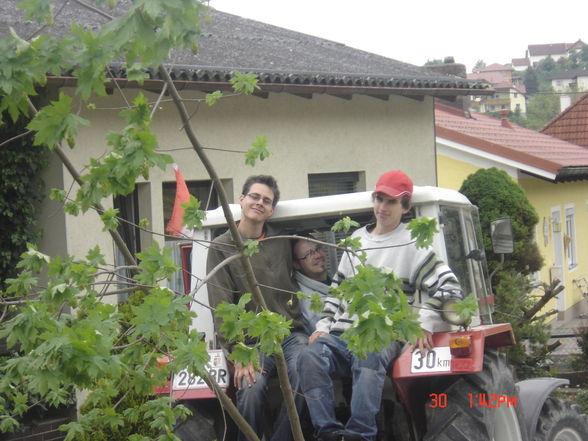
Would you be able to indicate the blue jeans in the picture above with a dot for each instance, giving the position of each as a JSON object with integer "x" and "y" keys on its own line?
{"x": 251, "y": 400}
{"x": 327, "y": 357}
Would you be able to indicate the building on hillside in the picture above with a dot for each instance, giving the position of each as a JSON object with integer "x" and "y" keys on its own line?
{"x": 520, "y": 64}
{"x": 506, "y": 97}
{"x": 494, "y": 74}
{"x": 552, "y": 172}
{"x": 569, "y": 84}
{"x": 537, "y": 52}
{"x": 335, "y": 117}
{"x": 509, "y": 92}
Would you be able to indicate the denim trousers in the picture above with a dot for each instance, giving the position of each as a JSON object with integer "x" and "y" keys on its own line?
{"x": 329, "y": 357}
{"x": 251, "y": 401}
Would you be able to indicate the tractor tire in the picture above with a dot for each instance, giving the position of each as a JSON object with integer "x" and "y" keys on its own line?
{"x": 463, "y": 419}
{"x": 207, "y": 422}
{"x": 561, "y": 421}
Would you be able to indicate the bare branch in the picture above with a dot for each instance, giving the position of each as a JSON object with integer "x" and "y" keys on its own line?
{"x": 14, "y": 138}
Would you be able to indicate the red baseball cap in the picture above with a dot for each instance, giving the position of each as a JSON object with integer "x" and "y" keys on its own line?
{"x": 395, "y": 184}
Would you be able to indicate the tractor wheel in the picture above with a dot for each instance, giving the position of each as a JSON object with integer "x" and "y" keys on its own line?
{"x": 207, "y": 422}
{"x": 560, "y": 421}
{"x": 464, "y": 416}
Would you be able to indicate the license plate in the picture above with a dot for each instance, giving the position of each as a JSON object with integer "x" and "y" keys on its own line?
{"x": 217, "y": 368}
{"x": 436, "y": 360}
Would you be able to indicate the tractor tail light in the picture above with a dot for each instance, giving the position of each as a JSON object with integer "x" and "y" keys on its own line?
{"x": 461, "y": 346}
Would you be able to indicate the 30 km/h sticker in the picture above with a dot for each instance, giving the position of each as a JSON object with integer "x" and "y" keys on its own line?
{"x": 435, "y": 360}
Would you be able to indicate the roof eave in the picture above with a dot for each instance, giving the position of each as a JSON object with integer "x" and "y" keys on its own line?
{"x": 302, "y": 89}
{"x": 544, "y": 165}
{"x": 572, "y": 173}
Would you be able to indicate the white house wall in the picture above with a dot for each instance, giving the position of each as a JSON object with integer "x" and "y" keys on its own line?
{"x": 319, "y": 135}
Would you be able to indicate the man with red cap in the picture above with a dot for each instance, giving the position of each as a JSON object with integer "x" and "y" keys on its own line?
{"x": 387, "y": 243}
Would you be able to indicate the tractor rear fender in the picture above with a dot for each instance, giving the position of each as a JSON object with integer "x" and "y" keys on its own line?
{"x": 532, "y": 396}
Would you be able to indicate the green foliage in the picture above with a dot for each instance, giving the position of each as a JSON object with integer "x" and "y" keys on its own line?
{"x": 258, "y": 150}
{"x": 466, "y": 308}
{"x": 55, "y": 122}
{"x": 156, "y": 264}
{"x": 250, "y": 247}
{"x": 497, "y": 195}
{"x": 92, "y": 428}
{"x": 541, "y": 108}
{"x": 109, "y": 352}
{"x": 245, "y": 83}
{"x": 133, "y": 154}
{"x": 513, "y": 296}
{"x": 531, "y": 81}
{"x": 384, "y": 315}
{"x": 344, "y": 225}
{"x": 423, "y": 230}
{"x": 250, "y": 332}
{"x": 193, "y": 216}
{"x": 21, "y": 190}
{"x": 212, "y": 98}
{"x": 434, "y": 62}
{"x": 582, "y": 401}
{"x": 109, "y": 218}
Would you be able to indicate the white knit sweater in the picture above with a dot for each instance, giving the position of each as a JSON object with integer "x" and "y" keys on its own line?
{"x": 424, "y": 277}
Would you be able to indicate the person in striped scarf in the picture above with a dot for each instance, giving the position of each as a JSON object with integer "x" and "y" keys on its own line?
{"x": 427, "y": 281}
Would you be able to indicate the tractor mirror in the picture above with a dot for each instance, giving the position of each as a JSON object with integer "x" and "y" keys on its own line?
{"x": 502, "y": 236}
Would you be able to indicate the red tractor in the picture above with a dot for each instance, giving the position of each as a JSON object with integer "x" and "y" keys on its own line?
{"x": 463, "y": 390}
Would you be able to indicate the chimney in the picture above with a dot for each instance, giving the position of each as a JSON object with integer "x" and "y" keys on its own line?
{"x": 450, "y": 67}
{"x": 504, "y": 119}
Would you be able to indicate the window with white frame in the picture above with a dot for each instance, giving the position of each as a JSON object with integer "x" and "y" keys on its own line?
{"x": 570, "y": 239}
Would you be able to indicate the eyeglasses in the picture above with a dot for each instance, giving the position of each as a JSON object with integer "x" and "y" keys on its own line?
{"x": 257, "y": 197}
{"x": 312, "y": 252}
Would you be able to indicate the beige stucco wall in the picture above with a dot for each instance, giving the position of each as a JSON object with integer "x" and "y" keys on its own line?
{"x": 544, "y": 196}
{"x": 319, "y": 135}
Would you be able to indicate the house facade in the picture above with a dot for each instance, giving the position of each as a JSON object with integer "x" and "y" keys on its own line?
{"x": 495, "y": 74}
{"x": 553, "y": 174}
{"x": 569, "y": 84}
{"x": 538, "y": 52}
{"x": 506, "y": 97}
{"x": 335, "y": 119}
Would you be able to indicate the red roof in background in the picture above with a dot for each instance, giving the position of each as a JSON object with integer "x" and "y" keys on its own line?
{"x": 509, "y": 85}
{"x": 510, "y": 141}
{"x": 494, "y": 67}
{"x": 572, "y": 124}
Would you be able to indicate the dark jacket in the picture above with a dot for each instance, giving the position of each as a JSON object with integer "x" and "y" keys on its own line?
{"x": 272, "y": 267}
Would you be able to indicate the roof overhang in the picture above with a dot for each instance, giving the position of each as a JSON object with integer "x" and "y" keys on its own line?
{"x": 523, "y": 161}
{"x": 301, "y": 83}
{"x": 572, "y": 173}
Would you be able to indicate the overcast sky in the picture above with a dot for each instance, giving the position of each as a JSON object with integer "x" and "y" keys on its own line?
{"x": 417, "y": 31}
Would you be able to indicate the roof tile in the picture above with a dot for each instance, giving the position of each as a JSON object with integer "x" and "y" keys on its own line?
{"x": 572, "y": 124}
{"x": 524, "y": 145}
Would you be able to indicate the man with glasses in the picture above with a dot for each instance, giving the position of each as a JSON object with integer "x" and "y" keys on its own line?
{"x": 311, "y": 275}
{"x": 272, "y": 267}
{"x": 387, "y": 243}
